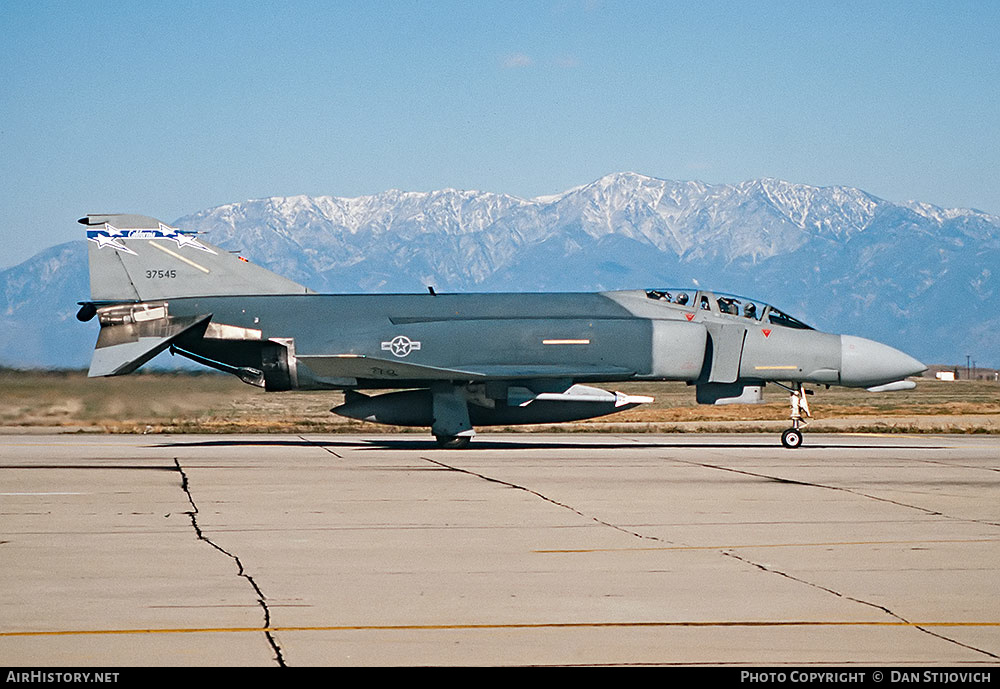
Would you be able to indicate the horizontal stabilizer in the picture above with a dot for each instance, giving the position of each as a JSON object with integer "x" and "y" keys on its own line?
{"x": 123, "y": 348}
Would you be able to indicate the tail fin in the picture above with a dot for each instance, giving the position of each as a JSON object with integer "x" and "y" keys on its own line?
{"x": 138, "y": 258}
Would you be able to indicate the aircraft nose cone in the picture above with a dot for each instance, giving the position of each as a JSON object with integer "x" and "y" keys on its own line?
{"x": 864, "y": 363}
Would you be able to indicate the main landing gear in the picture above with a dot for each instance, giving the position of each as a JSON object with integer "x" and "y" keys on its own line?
{"x": 792, "y": 437}
{"x": 453, "y": 442}
{"x": 452, "y": 428}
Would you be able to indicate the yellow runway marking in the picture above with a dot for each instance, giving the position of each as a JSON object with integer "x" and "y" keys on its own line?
{"x": 766, "y": 545}
{"x": 478, "y": 627}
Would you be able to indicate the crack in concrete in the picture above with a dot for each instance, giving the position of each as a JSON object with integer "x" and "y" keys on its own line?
{"x": 952, "y": 465}
{"x": 769, "y": 570}
{"x": 547, "y": 499}
{"x": 261, "y": 598}
{"x": 729, "y": 553}
{"x": 322, "y": 447}
{"x": 809, "y": 484}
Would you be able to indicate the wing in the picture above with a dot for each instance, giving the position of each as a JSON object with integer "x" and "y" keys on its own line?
{"x": 357, "y": 366}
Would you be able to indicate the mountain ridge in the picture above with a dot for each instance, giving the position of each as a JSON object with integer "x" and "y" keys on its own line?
{"x": 911, "y": 274}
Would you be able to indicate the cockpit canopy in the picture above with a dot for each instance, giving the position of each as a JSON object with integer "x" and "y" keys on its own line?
{"x": 726, "y": 304}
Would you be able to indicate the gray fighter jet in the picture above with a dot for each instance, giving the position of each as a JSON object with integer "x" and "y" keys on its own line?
{"x": 453, "y": 361}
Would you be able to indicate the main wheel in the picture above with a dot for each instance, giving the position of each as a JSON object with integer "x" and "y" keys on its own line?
{"x": 792, "y": 438}
{"x": 453, "y": 442}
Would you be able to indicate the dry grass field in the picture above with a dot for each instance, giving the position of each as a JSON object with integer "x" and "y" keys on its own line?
{"x": 215, "y": 403}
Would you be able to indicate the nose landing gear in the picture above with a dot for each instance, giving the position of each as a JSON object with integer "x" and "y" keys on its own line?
{"x": 792, "y": 437}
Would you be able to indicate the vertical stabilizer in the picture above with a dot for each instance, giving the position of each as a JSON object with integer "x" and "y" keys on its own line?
{"x": 138, "y": 258}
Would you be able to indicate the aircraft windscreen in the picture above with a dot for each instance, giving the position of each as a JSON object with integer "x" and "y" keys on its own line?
{"x": 728, "y": 304}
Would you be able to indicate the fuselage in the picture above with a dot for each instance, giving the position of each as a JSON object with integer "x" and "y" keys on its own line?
{"x": 607, "y": 336}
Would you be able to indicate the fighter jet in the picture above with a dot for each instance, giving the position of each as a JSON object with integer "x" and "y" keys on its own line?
{"x": 453, "y": 361}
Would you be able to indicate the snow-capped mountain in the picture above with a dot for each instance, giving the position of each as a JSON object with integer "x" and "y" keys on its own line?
{"x": 913, "y": 275}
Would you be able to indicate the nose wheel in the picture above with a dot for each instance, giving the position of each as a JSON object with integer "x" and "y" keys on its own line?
{"x": 792, "y": 437}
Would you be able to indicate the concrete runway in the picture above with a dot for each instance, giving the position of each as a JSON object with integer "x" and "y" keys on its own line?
{"x": 522, "y": 550}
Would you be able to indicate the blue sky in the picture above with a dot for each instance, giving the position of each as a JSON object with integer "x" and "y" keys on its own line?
{"x": 168, "y": 108}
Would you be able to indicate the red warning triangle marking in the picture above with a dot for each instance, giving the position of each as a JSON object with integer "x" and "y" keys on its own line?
{"x": 689, "y": 316}
{"x": 766, "y": 331}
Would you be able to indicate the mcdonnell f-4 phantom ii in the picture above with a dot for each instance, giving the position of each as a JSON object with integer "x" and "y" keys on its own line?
{"x": 453, "y": 361}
